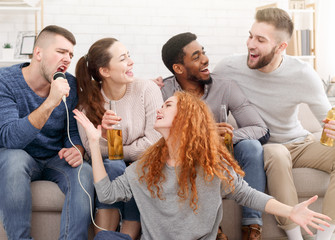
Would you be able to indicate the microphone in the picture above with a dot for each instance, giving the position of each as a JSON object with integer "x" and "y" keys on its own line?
{"x": 60, "y": 75}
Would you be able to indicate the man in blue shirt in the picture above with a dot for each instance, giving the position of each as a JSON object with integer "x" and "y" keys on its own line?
{"x": 34, "y": 143}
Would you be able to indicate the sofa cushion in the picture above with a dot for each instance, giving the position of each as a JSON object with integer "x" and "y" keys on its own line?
{"x": 309, "y": 182}
{"x": 47, "y": 197}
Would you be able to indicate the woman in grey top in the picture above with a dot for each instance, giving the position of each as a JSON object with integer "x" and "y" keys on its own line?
{"x": 179, "y": 182}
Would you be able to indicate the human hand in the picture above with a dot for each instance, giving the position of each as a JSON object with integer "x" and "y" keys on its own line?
{"x": 58, "y": 89}
{"x": 71, "y": 156}
{"x": 223, "y": 128}
{"x": 159, "y": 81}
{"x": 108, "y": 120}
{"x": 303, "y": 216}
{"x": 330, "y": 128}
{"x": 93, "y": 133}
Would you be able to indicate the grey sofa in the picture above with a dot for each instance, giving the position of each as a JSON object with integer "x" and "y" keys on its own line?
{"x": 48, "y": 200}
{"x": 308, "y": 182}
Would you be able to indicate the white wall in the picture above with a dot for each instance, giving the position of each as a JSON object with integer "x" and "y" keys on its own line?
{"x": 145, "y": 25}
{"x": 325, "y": 39}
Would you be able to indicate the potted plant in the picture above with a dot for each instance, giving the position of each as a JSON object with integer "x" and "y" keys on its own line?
{"x": 7, "y": 51}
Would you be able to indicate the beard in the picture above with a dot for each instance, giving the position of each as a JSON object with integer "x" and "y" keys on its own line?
{"x": 263, "y": 61}
{"x": 200, "y": 81}
{"x": 44, "y": 72}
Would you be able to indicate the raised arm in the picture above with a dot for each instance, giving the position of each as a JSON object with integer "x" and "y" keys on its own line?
{"x": 93, "y": 135}
{"x": 299, "y": 214}
{"x": 107, "y": 191}
{"x": 58, "y": 89}
{"x": 19, "y": 128}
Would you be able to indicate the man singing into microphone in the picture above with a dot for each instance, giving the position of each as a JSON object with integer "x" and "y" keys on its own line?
{"x": 34, "y": 144}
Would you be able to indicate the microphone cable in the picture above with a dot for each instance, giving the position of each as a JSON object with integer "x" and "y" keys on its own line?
{"x": 81, "y": 165}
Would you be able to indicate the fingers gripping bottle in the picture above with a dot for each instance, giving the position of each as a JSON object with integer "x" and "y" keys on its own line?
{"x": 228, "y": 141}
{"x": 114, "y": 138}
{"x": 325, "y": 140}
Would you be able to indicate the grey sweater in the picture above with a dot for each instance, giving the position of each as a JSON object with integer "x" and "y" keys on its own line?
{"x": 277, "y": 95}
{"x": 171, "y": 219}
{"x": 222, "y": 91}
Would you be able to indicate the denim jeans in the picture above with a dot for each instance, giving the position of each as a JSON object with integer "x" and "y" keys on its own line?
{"x": 249, "y": 154}
{"x": 18, "y": 169}
{"x": 128, "y": 210}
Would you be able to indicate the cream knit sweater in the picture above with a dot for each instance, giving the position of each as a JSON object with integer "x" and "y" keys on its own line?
{"x": 137, "y": 108}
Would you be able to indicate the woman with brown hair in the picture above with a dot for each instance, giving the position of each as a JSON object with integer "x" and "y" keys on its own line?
{"x": 104, "y": 77}
{"x": 179, "y": 182}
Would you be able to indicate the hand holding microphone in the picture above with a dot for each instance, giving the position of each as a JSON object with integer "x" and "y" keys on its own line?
{"x": 60, "y": 76}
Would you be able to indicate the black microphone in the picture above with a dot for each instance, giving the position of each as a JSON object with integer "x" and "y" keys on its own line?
{"x": 61, "y": 75}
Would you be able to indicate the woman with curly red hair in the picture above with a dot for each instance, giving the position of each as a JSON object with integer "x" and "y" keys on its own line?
{"x": 179, "y": 182}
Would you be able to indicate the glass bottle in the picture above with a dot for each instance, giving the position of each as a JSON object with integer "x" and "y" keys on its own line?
{"x": 325, "y": 140}
{"x": 228, "y": 141}
{"x": 114, "y": 138}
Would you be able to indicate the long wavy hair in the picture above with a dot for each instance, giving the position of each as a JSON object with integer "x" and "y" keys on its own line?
{"x": 199, "y": 147}
{"x": 89, "y": 79}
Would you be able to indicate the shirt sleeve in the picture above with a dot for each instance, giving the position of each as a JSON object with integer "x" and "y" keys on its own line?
{"x": 110, "y": 192}
{"x": 249, "y": 122}
{"x": 152, "y": 101}
{"x": 15, "y": 131}
{"x": 316, "y": 97}
{"x": 245, "y": 195}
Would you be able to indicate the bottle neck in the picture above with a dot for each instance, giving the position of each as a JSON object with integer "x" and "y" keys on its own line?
{"x": 112, "y": 106}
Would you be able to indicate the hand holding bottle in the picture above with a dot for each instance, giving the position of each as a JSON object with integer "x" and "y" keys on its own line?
{"x": 225, "y": 129}
{"x": 109, "y": 119}
{"x": 329, "y": 128}
{"x": 111, "y": 122}
{"x": 328, "y": 133}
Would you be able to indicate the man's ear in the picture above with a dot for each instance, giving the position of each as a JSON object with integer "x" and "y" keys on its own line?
{"x": 38, "y": 53}
{"x": 178, "y": 68}
{"x": 104, "y": 72}
{"x": 282, "y": 46}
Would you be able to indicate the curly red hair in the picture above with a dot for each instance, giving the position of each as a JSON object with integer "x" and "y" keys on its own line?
{"x": 194, "y": 134}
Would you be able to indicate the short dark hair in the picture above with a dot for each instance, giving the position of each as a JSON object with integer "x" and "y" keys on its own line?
{"x": 55, "y": 30}
{"x": 172, "y": 51}
{"x": 278, "y": 18}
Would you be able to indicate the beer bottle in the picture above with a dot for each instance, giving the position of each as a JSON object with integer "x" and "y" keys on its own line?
{"x": 325, "y": 140}
{"x": 228, "y": 141}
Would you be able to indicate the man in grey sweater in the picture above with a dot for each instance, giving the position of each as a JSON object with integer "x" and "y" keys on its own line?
{"x": 186, "y": 59}
{"x": 276, "y": 84}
